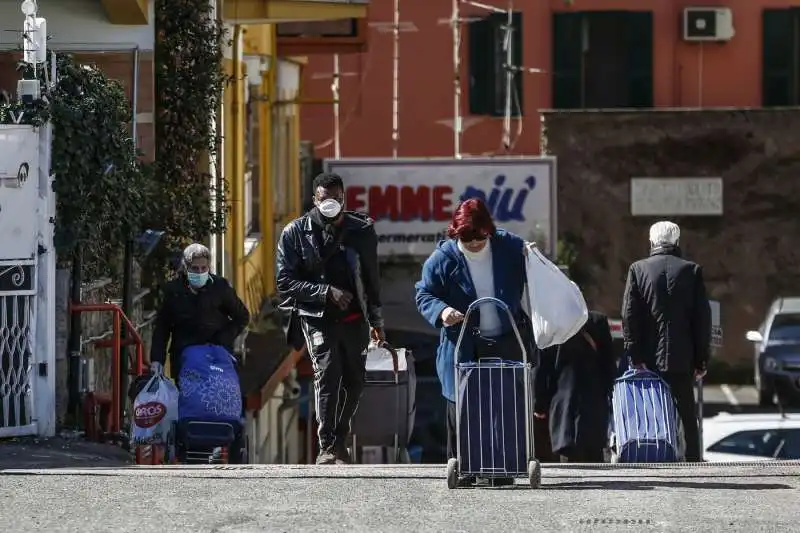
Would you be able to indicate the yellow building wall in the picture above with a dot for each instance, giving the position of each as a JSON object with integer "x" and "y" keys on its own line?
{"x": 252, "y": 272}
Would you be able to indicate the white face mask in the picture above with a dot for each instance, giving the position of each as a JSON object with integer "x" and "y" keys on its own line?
{"x": 473, "y": 255}
{"x": 329, "y": 208}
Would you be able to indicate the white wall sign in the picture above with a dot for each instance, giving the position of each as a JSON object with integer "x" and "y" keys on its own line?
{"x": 676, "y": 196}
{"x": 19, "y": 196}
{"x": 412, "y": 200}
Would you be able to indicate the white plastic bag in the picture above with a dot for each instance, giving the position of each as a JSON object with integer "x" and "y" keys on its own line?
{"x": 558, "y": 310}
{"x": 154, "y": 411}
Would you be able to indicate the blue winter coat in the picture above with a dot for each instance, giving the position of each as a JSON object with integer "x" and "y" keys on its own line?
{"x": 446, "y": 282}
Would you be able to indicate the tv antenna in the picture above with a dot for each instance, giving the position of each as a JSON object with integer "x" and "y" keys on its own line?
{"x": 510, "y": 69}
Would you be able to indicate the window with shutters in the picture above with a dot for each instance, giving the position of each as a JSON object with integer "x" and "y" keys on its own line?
{"x": 495, "y": 53}
{"x": 602, "y": 59}
{"x": 780, "y": 67}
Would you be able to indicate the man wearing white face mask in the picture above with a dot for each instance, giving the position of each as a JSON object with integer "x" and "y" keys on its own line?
{"x": 327, "y": 276}
{"x": 198, "y": 308}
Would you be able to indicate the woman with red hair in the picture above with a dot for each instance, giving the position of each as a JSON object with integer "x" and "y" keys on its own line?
{"x": 476, "y": 260}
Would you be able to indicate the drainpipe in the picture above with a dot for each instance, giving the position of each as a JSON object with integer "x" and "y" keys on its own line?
{"x": 127, "y": 275}
{"x": 237, "y": 207}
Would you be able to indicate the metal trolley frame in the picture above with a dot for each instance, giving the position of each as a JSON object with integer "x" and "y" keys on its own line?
{"x": 534, "y": 469}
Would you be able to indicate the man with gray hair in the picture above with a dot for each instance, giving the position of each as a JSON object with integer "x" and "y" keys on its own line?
{"x": 666, "y": 322}
{"x": 198, "y": 308}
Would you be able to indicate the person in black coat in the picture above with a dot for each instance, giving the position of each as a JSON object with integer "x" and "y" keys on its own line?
{"x": 573, "y": 384}
{"x": 666, "y": 323}
{"x": 198, "y": 308}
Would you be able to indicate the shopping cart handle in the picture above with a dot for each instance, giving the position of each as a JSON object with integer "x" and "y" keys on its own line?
{"x": 487, "y": 299}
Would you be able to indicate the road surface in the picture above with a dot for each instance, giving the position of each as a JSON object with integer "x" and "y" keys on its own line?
{"x": 283, "y": 498}
{"x": 295, "y": 498}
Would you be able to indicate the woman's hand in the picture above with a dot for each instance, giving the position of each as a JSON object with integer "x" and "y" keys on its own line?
{"x": 451, "y": 317}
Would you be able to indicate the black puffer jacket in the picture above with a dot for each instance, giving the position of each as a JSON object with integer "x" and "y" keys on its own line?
{"x": 211, "y": 315}
{"x": 666, "y": 317}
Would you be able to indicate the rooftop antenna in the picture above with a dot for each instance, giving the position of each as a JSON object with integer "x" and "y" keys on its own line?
{"x": 509, "y": 66}
{"x": 396, "y": 82}
{"x": 455, "y": 22}
{"x": 337, "y": 152}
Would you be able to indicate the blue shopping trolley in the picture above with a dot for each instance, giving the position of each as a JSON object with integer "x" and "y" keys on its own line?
{"x": 494, "y": 429}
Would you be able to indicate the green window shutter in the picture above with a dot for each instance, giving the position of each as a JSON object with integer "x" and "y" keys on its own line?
{"x": 778, "y": 87}
{"x": 567, "y": 61}
{"x": 518, "y": 105}
{"x": 481, "y": 67}
{"x": 639, "y": 45}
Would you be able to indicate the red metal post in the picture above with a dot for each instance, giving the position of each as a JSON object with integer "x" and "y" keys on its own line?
{"x": 115, "y": 362}
{"x": 115, "y": 343}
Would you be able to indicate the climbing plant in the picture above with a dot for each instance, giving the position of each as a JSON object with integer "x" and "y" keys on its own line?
{"x": 189, "y": 80}
{"x": 102, "y": 190}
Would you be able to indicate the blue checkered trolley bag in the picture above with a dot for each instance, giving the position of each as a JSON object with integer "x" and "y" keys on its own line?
{"x": 493, "y": 414}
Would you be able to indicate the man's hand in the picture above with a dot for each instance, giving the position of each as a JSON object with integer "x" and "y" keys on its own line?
{"x": 377, "y": 335}
{"x": 341, "y": 298}
{"x": 699, "y": 374}
{"x": 452, "y": 316}
{"x": 156, "y": 368}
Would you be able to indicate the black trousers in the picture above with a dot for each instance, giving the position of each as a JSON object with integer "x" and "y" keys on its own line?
{"x": 337, "y": 351}
{"x": 682, "y": 388}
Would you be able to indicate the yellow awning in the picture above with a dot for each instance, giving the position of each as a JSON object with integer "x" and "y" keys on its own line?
{"x": 127, "y": 12}
{"x": 272, "y": 11}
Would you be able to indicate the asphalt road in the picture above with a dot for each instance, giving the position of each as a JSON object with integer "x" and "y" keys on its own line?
{"x": 293, "y": 498}
{"x": 401, "y": 498}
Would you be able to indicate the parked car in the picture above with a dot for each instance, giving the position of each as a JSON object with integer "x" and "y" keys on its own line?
{"x": 777, "y": 352}
{"x": 757, "y": 437}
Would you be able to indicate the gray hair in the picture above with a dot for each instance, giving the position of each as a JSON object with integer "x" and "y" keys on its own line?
{"x": 195, "y": 251}
{"x": 664, "y": 233}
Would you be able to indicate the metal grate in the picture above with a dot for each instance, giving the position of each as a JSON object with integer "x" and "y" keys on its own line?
{"x": 16, "y": 356}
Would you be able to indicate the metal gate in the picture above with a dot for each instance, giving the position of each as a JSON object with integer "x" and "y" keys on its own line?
{"x": 17, "y": 331}
{"x": 20, "y": 222}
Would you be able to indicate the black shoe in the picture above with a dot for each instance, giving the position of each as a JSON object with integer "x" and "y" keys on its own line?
{"x": 342, "y": 455}
{"x": 326, "y": 457}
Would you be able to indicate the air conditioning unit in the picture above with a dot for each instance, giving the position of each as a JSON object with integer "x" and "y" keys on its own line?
{"x": 707, "y": 24}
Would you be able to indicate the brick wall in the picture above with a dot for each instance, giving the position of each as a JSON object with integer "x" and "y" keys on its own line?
{"x": 116, "y": 65}
{"x": 750, "y": 253}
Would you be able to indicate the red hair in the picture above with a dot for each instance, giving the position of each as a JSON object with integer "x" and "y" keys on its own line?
{"x": 471, "y": 220}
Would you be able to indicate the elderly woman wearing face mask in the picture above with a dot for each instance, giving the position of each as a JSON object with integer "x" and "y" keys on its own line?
{"x": 477, "y": 260}
{"x": 198, "y": 308}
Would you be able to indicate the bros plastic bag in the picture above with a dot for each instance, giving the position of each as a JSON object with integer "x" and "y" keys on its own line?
{"x": 154, "y": 411}
{"x": 209, "y": 384}
{"x": 558, "y": 310}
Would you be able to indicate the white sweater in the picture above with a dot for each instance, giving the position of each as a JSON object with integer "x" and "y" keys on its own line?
{"x": 480, "y": 269}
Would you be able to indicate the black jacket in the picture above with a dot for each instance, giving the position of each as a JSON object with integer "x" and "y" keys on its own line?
{"x": 666, "y": 318}
{"x": 573, "y": 384}
{"x": 300, "y": 276}
{"x": 211, "y": 315}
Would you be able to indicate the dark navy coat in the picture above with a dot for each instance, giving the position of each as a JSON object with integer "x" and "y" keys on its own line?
{"x": 446, "y": 282}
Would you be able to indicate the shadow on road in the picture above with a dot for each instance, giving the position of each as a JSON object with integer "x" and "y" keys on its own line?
{"x": 651, "y": 485}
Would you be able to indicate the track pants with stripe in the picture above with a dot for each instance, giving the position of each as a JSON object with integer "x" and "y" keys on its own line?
{"x": 337, "y": 353}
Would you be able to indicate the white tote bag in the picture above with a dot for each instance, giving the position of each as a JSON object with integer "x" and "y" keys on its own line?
{"x": 154, "y": 411}
{"x": 558, "y": 310}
